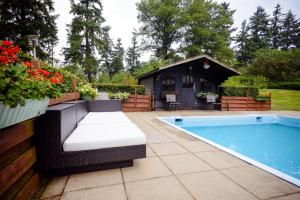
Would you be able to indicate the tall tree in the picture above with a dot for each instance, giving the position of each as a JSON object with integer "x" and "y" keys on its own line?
{"x": 162, "y": 25}
{"x": 19, "y": 18}
{"x": 107, "y": 49}
{"x": 290, "y": 31}
{"x": 259, "y": 27}
{"x": 242, "y": 43}
{"x": 276, "y": 27}
{"x": 117, "y": 59}
{"x": 85, "y": 36}
{"x": 133, "y": 54}
{"x": 209, "y": 27}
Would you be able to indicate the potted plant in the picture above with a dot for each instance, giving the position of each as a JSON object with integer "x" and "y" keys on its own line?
{"x": 24, "y": 89}
{"x": 202, "y": 95}
{"x": 87, "y": 92}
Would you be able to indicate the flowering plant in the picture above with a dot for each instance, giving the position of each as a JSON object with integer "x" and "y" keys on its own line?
{"x": 20, "y": 80}
{"x": 86, "y": 91}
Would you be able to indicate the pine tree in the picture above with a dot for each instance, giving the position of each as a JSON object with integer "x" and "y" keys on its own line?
{"x": 106, "y": 54}
{"x": 259, "y": 27}
{"x": 85, "y": 36}
{"x": 19, "y": 18}
{"x": 290, "y": 31}
{"x": 117, "y": 59}
{"x": 133, "y": 54}
{"x": 242, "y": 41}
{"x": 162, "y": 25}
{"x": 209, "y": 28}
{"x": 276, "y": 26}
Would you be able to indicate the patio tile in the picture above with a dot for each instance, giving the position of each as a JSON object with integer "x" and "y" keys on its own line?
{"x": 197, "y": 146}
{"x": 93, "y": 179}
{"x": 144, "y": 169}
{"x": 168, "y": 149}
{"x": 185, "y": 163}
{"x": 220, "y": 159}
{"x": 259, "y": 182}
{"x": 167, "y": 188}
{"x": 213, "y": 185}
{"x": 55, "y": 187}
{"x": 157, "y": 138}
{"x": 289, "y": 197}
{"x": 149, "y": 152}
{"x": 113, "y": 192}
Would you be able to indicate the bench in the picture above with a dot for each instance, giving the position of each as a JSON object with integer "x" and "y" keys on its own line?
{"x": 70, "y": 139}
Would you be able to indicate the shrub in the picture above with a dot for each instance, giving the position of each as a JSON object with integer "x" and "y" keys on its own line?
{"x": 114, "y": 88}
{"x": 288, "y": 85}
{"x": 119, "y": 95}
{"x": 239, "y": 91}
{"x": 87, "y": 90}
{"x": 246, "y": 81}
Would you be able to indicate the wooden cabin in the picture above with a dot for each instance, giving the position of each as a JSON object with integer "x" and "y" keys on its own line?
{"x": 186, "y": 78}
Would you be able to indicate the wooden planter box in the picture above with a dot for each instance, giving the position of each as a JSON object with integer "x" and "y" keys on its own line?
{"x": 229, "y": 103}
{"x": 32, "y": 108}
{"x": 64, "y": 97}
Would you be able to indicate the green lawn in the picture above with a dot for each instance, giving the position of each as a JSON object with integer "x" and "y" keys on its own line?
{"x": 284, "y": 99}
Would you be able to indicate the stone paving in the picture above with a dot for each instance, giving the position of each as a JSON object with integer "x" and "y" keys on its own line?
{"x": 177, "y": 167}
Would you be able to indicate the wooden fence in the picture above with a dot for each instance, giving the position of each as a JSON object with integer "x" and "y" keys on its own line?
{"x": 18, "y": 176}
{"x": 137, "y": 103}
{"x": 244, "y": 104}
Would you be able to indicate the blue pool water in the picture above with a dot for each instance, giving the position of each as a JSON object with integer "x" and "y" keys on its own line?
{"x": 271, "y": 140}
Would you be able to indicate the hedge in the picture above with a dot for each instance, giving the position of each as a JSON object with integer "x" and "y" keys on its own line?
{"x": 288, "y": 85}
{"x": 239, "y": 91}
{"x": 115, "y": 88}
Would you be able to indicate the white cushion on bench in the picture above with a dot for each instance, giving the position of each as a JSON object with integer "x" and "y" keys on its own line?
{"x": 104, "y": 130}
{"x": 94, "y": 118}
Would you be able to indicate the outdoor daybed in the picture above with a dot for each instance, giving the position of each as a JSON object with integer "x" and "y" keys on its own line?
{"x": 71, "y": 139}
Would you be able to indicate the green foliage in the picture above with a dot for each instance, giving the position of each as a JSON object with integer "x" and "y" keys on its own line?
{"x": 162, "y": 25}
{"x": 104, "y": 78}
{"x": 148, "y": 67}
{"x": 117, "y": 59}
{"x": 288, "y": 85}
{"x": 85, "y": 28}
{"x": 114, "y": 88}
{"x": 253, "y": 81}
{"x": 208, "y": 29}
{"x": 123, "y": 78}
{"x": 133, "y": 54}
{"x": 119, "y": 95}
{"x": 31, "y": 17}
{"x": 87, "y": 92}
{"x": 276, "y": 65}
{"x": 239, "y": 91}
{"x": 290, "y": 34}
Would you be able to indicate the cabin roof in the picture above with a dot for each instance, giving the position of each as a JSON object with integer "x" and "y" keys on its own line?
{"x": 186, "y": 61}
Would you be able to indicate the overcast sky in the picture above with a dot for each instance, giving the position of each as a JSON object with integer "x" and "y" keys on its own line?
{"x": 121, "y": 16}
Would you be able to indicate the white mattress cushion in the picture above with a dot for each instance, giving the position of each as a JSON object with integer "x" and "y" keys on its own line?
{"x": 95, "y": 118}
{"x": 107, "y": 135}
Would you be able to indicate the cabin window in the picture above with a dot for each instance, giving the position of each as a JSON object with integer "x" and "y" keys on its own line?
{"x": 205, "y": 85}
{"x": 168, "y": 83}
{"x": 187, "y": 81}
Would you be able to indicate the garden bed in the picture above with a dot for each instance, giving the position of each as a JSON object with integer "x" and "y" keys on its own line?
{"x": 64, "y": 97}
{"x": 137, "y": 103}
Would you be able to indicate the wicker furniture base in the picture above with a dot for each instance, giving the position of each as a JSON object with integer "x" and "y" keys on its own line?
{"x": 90, "y": 168}
{"x": 54, "y": 127}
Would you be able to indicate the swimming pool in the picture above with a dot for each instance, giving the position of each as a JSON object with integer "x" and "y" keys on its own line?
{"x": 271, "y": 142}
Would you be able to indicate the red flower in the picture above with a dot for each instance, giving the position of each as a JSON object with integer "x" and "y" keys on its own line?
{"x": 53, "y": 80}
{"x": 6, "y": 42}
{"x": 3, "y": 59}
{"x": 28, "y": 64}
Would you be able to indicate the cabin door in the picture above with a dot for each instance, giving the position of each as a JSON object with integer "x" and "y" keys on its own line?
{"x": 187, "y": 91}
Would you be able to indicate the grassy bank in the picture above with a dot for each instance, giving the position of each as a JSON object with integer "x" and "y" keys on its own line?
{"x": 284, "y": 99}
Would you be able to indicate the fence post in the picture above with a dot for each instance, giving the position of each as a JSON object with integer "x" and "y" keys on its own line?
{"x": 135, "y": 99}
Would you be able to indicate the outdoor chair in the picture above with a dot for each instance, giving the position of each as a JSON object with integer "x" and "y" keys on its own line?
{"x": 171, "y": 100}
{"x": 71, "y": 139}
